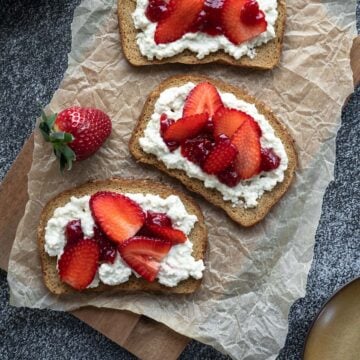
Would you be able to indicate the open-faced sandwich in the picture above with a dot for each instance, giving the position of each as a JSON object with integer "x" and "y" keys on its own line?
{"x": 219, "y": 142}
{"x": 128, "y": 235}
{"x": 247, "y": 33}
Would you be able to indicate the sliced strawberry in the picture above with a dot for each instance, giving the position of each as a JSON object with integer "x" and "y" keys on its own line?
{"x": 247, "y": 141}
{"x": 220, "y": 157}
{"x": 240, "y": 22}
{"x": 144, "y": 254}
{"x": 117, "y": 216}
{"x": 167, "y": 233}
{"x": 78, "y": 263}
{"x": 185, "y": 128}
{"x": 204, "y": 97}
{"x": 227, "y": 121}
{"x": 180, "y": 17}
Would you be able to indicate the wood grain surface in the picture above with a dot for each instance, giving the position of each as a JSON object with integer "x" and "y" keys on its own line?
{"x": 144, "y": 337}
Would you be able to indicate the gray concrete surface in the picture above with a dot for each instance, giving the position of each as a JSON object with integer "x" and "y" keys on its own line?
{"x": 34, "y": 42}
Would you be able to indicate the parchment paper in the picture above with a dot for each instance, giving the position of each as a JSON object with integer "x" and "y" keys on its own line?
{"x": 253, "y": 275}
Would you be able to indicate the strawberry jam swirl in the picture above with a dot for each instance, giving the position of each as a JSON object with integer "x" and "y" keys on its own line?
{"x": 234, "y": 151}
{"x": 168, "y": 27}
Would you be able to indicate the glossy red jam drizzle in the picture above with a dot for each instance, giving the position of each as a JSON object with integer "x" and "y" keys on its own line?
{"x": 154, "y": 218}
{"x": 156, "y": 10}
{"x": 229, "y": 176}
{"x": 209, "y": 19}
{"x": 165, "y": 122}
{"x": 251, "y": 13}
{"x": 73, "y": 232}
{"x": 269, "y": 160}
{"x": 197, "y": 149}
{"x": 107, "y": 247}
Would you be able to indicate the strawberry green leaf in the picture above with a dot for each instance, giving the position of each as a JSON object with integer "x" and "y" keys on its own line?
{"x": 61, "y": 137}
{"x": 65, "y": 155}
{"x": 50, "y": 120}
{"x": 43, "y": 116}
{"x": 45, "y": 131}
{"x": 59, "y": 141}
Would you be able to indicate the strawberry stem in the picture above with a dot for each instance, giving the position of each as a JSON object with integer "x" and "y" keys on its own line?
{"x": 59, "y": 141}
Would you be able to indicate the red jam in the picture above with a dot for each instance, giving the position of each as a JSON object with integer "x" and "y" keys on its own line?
{"x": 251, "y": 14}
{"x": 269, "y": 160}
{"x": 156, "y": 10}
{"x": 197, "y": 149}
{"x": 107, "y": 247}
{"x": 229, "y": 176}
{"x": 157, "y": 219}
{"x": 73, "y": 232}
{"x": 154, "y": 218}
{"x": 209, "y": 18}
{"x": 165, "y": 122}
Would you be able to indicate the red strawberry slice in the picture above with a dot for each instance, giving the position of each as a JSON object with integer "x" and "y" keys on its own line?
{"x": 144, "y": 254}
{"x": 181, "y": 15}
{"x": 220, "y": 157}
{"x": 175, "y": 236}
{"x": 227, "y": 121}
{"x": 185, "y": 128}
{"x": 247, "y": 141}
{"x": 204, "y": 97}
{"x": 240, "y": 22}
{"x": 78, "y": 264}
{"x": 118, "y": 217}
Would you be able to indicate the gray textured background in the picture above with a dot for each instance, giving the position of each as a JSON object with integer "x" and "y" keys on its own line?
{"x": 34, "y": 42}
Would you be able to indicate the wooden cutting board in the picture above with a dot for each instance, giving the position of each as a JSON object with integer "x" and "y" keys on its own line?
{"x": 142, "y": 336}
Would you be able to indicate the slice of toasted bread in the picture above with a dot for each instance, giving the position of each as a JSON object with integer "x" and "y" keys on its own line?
{"x": 267, "y": 55}
{"x": 198, "y": 235}
{"x": 243, "y": 216}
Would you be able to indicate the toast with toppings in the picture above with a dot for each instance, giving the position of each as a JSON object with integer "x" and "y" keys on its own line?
{"x": 249, "y": 155}
{"x": 267, "y": 54}
{"x": 198, "y": 237}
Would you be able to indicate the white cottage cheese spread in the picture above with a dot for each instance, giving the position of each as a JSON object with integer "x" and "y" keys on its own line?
{"x": 247, "y": 192}
{"x": 200, "y": 43}
{"x": 178, "y": 265}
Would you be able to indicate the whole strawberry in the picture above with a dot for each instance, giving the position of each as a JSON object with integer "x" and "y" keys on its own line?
{"x": 75, "y": 133}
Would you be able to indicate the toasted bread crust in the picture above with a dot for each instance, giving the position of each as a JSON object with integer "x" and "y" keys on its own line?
{"x": 198, "y": 236}
{"x": 245, "y": 217}
{"x": 268, "y": 55}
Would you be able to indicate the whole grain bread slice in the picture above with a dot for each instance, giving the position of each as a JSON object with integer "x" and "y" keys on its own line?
{"x": 243, "y": 216}
{"x": 198, "y": 236}
{"x": 267, "y": 55}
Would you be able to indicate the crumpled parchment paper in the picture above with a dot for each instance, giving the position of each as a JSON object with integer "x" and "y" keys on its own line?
{"x": 253, "y": 275}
